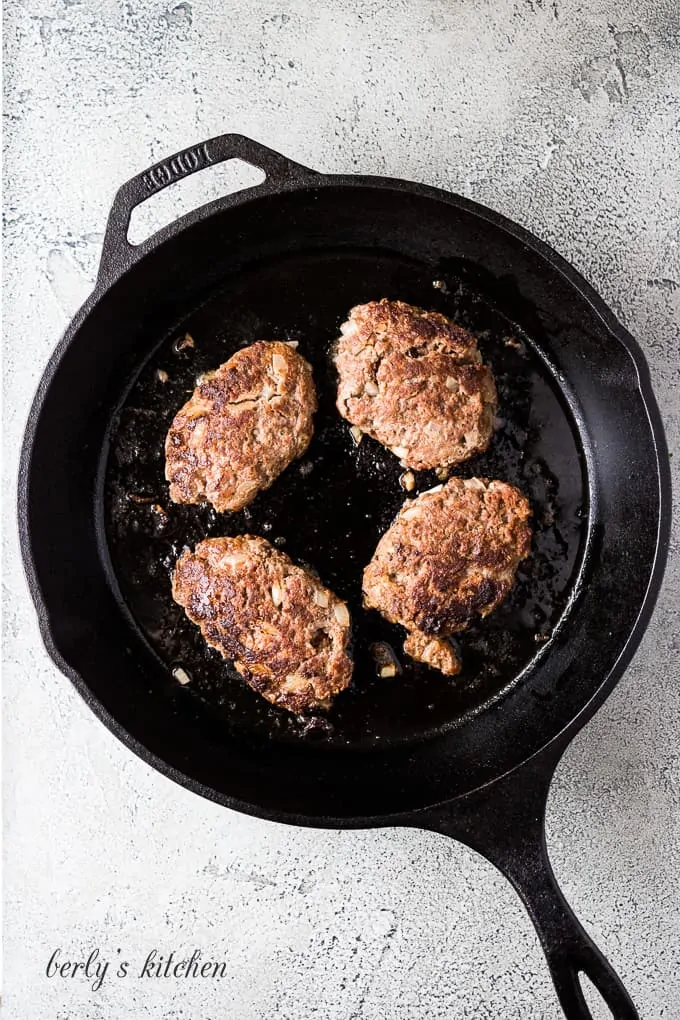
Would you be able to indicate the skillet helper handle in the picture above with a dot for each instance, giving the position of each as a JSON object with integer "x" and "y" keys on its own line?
{"x": 505, "y": 822}
{"x": 117, "y": 252}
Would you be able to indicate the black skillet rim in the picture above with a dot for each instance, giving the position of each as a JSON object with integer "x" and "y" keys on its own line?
{"x": 301, "y": 178}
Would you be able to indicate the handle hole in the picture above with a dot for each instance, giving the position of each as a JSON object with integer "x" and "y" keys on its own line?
{"x": 598, "y": 1007}
{"x": 190, "y": 193}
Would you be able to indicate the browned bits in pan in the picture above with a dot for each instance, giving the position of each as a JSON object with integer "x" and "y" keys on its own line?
{"x": 184, "y": 343}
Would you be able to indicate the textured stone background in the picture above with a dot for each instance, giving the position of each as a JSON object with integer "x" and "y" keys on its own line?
{"x": 564, "y": 116}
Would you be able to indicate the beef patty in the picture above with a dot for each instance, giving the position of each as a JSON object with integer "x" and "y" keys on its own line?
{"x": 285, "y": 632}
{"x": 242, "y": 426}
{"x": 415, "y": 381}
{"x": 450, "y": 555}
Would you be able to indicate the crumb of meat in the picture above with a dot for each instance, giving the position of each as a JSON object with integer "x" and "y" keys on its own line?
{"x": 242, "y": 426}
{"x": 415, "y": 381}
{"x": 434, "y": 651}
{"x": 286, "y": 633}
{"x": 450, "y": 556}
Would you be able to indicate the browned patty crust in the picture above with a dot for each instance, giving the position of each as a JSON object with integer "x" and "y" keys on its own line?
{"x": 285, "y": 632}
{"x": 415, "y": 381}
{"x": 450, "y": 555}
{"x": 242, "y": 426}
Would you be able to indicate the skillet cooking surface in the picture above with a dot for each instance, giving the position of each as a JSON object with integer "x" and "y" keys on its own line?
{"x": 329, "y": 509}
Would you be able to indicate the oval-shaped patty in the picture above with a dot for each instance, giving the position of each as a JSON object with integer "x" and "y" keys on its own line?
{"x": 242, "y": 426}
{"x": 450, "y": 555}
{"x": 415, "y": 381}
{"x": 285, "y": 632}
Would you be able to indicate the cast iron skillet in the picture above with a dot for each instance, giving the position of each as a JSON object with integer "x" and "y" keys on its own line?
{"x": 578, "y": 431}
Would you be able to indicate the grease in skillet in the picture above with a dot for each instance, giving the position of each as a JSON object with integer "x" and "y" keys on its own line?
{"x": 332, "y": 507}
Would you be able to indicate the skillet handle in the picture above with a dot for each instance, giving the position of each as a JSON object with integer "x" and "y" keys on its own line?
{"x": 117, "y": 252}
{"x": 505, "y": 822}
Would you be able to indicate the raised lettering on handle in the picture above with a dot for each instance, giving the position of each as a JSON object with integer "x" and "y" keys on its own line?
{"x": 178, "y": 166}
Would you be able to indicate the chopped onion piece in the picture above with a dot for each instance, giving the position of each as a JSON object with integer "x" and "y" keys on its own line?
{"x": 341, "y": 614}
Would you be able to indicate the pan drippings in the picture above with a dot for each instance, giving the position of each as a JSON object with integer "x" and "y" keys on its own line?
{"x": 329, "y": 509}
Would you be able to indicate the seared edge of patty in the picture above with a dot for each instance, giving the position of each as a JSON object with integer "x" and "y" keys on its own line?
{"x": 450, "y": 555}
{"x": 242, "y": 426}
{"x": 286, "y": 633}
{"x": 415, "y": 381}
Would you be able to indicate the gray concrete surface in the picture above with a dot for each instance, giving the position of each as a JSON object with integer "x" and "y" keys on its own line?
{"x": 565, "y": 117}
